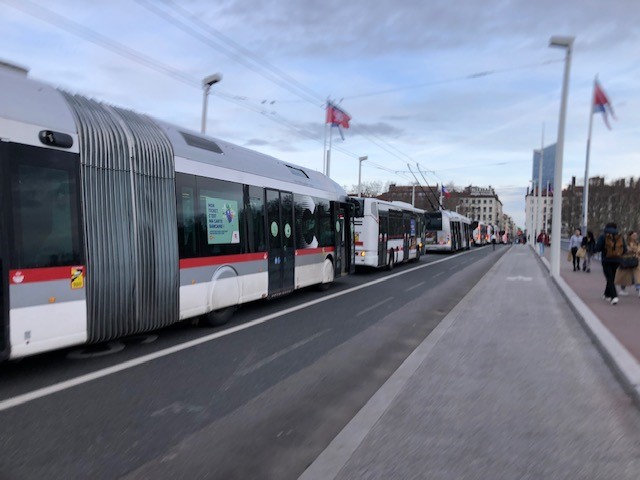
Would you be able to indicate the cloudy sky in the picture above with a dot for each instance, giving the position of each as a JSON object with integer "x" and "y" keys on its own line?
{"x": 460, "y": 87}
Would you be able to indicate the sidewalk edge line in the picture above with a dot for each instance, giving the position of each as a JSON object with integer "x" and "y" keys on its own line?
{"x": 623, "y": 365}
{"x": 336, "y": 455}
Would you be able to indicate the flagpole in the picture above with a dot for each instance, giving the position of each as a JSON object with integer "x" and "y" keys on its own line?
{"x": 328, "y": 173}
{"x": 585, "y": 190}
{"x": 540, "y": 164}
{"x": 324, "y": 147}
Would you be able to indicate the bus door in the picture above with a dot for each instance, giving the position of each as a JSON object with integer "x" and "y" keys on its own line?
{"x": 4, "y": 258}
{"x": 281, "y": 248}
{"x": 345, "y": 248}
{"x": 407, "y": 234}
{"x": 383, "y": 235}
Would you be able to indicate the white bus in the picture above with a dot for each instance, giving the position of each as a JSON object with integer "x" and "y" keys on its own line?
{"x": 447, "y": 231}
{"x": 114, "y": 223}
{"x": 480, "y": 236}
{"x": 387, "y": 233}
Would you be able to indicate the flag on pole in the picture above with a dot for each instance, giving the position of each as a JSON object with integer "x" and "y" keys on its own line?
{"x": 337, "y": 117}
{"x": 445, "y": 192}
{"x": 602, "y": 104}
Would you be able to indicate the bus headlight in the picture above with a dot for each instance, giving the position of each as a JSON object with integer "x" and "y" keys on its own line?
{"x": 362, "y": 254}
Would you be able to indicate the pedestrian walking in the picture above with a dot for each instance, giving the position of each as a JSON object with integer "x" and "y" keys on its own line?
{"x": 629, "y": 275}
{"x": 543, "y": 239}
{"x": 589, "y": 244}
{"x": 612, "y": 246}
{"x": 493, "y": 240}
{"x": 574, "y": 244}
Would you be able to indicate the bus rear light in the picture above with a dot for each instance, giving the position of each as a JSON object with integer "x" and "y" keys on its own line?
{"x": 362, "y": 254}
{"x": 52, "y": 299}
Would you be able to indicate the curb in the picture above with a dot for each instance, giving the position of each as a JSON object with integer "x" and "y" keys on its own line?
{"x": 616, "y": 356}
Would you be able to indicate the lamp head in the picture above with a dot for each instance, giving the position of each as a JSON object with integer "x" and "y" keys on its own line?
{"x": 561, "y": 42}
{"x": 211, "y": 79}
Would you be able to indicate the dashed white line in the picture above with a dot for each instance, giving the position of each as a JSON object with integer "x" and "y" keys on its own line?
{"x": 373, "y": 306}
{"x": 415, "y": 286}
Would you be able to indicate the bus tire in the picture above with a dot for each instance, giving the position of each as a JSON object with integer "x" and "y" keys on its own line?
{"x": 328, "y": 274}
{"x": 216, "y": 318}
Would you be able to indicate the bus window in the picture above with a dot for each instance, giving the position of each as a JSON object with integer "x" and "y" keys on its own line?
{"x": 45, "y": 190}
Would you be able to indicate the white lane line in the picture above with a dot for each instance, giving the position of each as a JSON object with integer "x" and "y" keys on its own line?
{"x": 284, "y": 351}
{"x": 438, "y": 274}
{"x": 415, "y": 286}
{"x": 74, "y": 382}
{"x": 373, "y": 306}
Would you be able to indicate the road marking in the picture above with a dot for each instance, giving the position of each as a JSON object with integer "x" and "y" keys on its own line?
{"x": 373, "y": 306}
{"x": 519, "y": 278}
{"x": 284, "y": 351}
{"x": 74, "y": 382}
{"x": 415, "y": 286}
{"x": 438, "y": 274}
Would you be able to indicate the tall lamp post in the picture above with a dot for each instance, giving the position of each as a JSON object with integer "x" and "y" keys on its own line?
{"x": 556, "y": 219}
{"x": 207, "y": 82}
{"x": 360, "y": 160}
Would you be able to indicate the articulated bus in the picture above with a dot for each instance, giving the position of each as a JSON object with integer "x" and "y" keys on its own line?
{"x": 113, "y": 223}
{"x": 387, "y": 233}
{"x": 447, "y": 231}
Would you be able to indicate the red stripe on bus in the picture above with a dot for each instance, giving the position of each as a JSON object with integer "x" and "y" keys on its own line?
{"x": 359, "y": 244}
{"x": 32, "y": 275}
{"x": 221, "y": 259}
{"x": 314, "y": 251}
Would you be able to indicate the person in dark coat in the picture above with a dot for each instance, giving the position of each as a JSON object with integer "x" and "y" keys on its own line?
{"x": 589, "y": 244}
{"x": 610, "y": 262}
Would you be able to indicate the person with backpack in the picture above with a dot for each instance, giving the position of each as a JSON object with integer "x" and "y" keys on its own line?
{"x": 612, "y": 246}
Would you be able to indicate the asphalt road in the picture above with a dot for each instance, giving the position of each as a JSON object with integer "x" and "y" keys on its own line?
{"x": 258, "y": 398}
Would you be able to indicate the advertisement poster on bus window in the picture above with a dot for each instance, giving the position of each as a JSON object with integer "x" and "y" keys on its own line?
{"x": 222, "y": 221}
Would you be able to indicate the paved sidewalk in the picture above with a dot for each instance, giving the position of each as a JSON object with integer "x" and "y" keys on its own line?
{"x": 508, "y": 386}
{"x": 622, "y": 320}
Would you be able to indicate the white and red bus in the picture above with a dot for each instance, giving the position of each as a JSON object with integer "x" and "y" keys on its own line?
{"x": 447, "y": 231}
{"x": 114, "y": 223}
{"x": 387, "y": 233}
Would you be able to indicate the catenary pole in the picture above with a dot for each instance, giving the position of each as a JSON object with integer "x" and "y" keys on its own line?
{"x": 556, "y": 223}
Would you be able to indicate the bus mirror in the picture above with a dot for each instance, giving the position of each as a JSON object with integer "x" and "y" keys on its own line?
{"x": 56, "y": 139}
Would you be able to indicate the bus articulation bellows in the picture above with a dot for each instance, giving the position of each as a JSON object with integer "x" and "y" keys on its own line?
{"x": 114, "y": 223}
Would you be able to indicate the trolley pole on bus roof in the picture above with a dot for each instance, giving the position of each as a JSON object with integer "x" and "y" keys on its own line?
{"x": 207, "y": 82}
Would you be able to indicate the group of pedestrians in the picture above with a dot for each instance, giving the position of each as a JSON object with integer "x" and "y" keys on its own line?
{"x": 620, "y": 259}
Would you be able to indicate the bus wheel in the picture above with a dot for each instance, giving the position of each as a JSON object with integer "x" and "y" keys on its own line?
{"x": 215, "y": 318}
{"x": 327, "y": 275}
{"x": 391, "y": 262}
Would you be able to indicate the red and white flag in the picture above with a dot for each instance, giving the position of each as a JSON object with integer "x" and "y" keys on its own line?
{"x": 336, "y": 116}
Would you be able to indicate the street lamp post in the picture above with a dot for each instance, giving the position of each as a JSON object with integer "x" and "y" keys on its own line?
{"x": 207, "y": 82}
{"x": 556, "y": 219}
{"x": 360, "y": 160}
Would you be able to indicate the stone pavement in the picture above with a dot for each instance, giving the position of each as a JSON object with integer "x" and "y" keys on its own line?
{"x": 508, "y": 386}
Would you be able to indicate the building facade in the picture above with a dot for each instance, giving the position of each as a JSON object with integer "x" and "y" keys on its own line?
{"x": 548, "y": 167}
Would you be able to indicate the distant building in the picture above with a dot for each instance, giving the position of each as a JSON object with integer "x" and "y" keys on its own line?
{"x": 545, "y": 205}
{"x": 480, "y": 204}
{"x": 548, "y": 166}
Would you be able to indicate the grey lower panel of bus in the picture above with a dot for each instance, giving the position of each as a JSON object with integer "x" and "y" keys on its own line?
{"x": 129, "y": 212}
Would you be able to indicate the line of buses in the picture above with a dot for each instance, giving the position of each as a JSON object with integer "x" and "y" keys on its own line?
{"x": 113, "y": 223}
